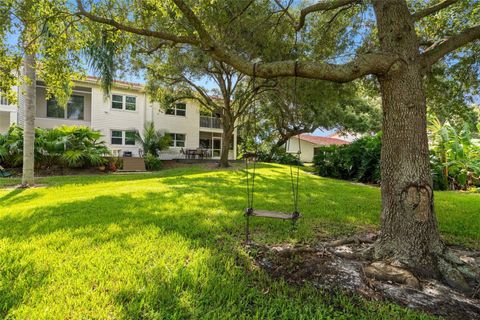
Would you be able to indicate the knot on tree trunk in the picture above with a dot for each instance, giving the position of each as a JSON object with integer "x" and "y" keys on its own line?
{"x": 418, "y": 200}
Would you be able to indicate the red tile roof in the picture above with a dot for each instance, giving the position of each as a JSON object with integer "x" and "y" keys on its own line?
{"x": 133, "y": 84}
{"x": 322, "y": 141}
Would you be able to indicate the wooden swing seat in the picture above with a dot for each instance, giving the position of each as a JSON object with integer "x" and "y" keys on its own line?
{"x": 274, "y": 215}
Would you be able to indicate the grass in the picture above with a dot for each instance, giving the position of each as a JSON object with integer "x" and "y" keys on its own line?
{"x": 168, "y": 246}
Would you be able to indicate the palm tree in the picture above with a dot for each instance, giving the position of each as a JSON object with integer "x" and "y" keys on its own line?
{"x": 29, "y": 103}
{"x": 153, "y": 141}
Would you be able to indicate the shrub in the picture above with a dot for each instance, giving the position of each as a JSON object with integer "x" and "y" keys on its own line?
{"x": 114, "y": 163}
{"x": 287, "y": 158}
{"x": 358, "y": 161}
{"x": 152, "y": 162}
{"x": 69, "y": 146}
{"x": 280, "y": 156}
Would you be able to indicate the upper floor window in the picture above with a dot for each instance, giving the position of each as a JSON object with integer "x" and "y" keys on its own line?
{"x": 122, "y": 102}
{"x": 178, "y": 140}
{"x": 3, "y": 100}
{"x": 123, "y": 137}
{"x": 180, "y": 109}
{"x": 75, "y": 109}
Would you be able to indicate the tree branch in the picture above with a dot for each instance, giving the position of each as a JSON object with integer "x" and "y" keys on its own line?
{"x": 370, "y": 63}
{"x": 144, "y": 32}
{"x": 322, "y": 6}
{"x": 285, "y": 10}
{"x": 433, "y": 9}
{"x": 437, "y": 51}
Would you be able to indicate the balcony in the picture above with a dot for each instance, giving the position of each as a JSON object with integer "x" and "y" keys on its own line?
{"x": 210, "y": 122}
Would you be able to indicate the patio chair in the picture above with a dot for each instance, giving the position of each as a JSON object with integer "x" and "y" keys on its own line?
{"x": 199, "y": 153}
{"x": 4, "y": 173}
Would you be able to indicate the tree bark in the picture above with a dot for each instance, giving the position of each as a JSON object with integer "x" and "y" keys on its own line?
{"x": 29, "y": 121}
{"x": 409, "y": 233}
{"x": 226, "y": 139}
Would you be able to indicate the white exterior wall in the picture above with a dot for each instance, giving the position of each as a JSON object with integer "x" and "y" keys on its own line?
{"x": 105, "y": 119}
{"x": 42, "y": 121}
{"x": 4, "y": 121}
{"x": 307, "y": 149}
{"x": 8, "y": 116}
{"x": 99, "y": 115}
{"x": 188, "y": 125}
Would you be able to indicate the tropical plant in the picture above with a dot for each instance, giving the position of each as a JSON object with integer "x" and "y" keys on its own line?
{"x": 11, "y": 147}
{"x": 68, "y": 146}
{"x": 83, "y": 147}
{"x": 454, "y": 155}
{"x": 153, "y": 141}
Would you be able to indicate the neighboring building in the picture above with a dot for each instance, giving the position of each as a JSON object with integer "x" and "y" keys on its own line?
{"x": 346, "y": 136}
{"x": 123, "y": 112}
{"x": 308, "y": 143}
{"x": 8, "y": 113}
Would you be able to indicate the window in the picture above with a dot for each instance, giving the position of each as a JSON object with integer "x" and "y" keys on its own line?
{"x": 130, "y": 103}
{"x": 117, "y": 101}
{"x": 3, "y": 100}
{"x": 75, "y": 109}
{"x": 117, "y": 137}
{"x": 120, "y": 137}
{"x": 130, "y": 138}
{"x": 120, "y": 102}
{"x": 54, "y": 110}
{"x": 180, "y": 109}
{"x": 178, "y": 140}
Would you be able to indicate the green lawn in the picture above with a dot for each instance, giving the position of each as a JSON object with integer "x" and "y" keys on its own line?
{"x": 168, "y": 245}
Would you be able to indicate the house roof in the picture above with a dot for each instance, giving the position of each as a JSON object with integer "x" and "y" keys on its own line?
{"x": 127, "y": 83}
{"x": 322, "y": 141}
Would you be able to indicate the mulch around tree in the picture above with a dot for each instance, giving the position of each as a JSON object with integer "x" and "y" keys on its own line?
{"x": 328, "y": 266}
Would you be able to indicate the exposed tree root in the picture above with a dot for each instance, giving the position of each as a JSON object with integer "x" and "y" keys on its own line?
{"x": 357, "y": 239}
{"x": 382, "y": 271}
{"x": 347, "y": 264}
{"x": 458, "y": 273}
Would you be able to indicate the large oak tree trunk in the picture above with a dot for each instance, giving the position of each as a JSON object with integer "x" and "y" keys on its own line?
{"x": 226, "y": 140}
{"x": 29, "y": 121}
{"x": 409, "y": 233}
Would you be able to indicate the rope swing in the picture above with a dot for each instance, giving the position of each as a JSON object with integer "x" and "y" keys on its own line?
{"x": 251, "y": 159}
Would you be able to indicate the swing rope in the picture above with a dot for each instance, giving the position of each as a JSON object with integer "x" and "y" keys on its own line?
{"x": 295, "y": 179}
{"x": 250, "y": 176}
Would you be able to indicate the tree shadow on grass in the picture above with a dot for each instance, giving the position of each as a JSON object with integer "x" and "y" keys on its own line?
{"x": 210, "y": 202}
{"x": 14, "y": 196}
{"x": 13, "y": 193}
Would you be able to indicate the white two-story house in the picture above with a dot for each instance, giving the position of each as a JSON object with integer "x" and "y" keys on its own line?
{"x": 8, "y": 113}
{"x": 121, "y": 114}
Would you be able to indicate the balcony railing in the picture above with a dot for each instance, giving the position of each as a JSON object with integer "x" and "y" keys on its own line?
{"x": 210, "y": 122}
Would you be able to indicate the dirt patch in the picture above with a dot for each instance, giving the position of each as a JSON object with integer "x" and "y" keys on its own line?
{"x": 341, "y": 267}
